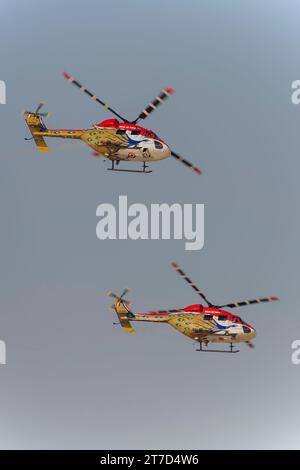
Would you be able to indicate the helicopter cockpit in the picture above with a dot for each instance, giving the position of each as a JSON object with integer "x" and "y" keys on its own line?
{"x": 237, "y": 319}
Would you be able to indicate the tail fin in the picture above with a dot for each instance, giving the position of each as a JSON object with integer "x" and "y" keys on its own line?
{"x": 124, "y": 315}
{"x": 36, "y": 124}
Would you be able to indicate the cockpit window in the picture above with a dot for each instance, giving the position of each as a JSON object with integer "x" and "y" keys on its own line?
{"x": 246, "y": 329}
{"x": 136, "y": 132}
{"x": 158, "y": 145}
{"x": 207, "y": 317}
{"x": 222, "y": 317}
{"x": 121, "y": 131}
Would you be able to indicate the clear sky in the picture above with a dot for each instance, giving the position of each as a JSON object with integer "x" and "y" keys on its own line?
{"x": 73, "y": 380}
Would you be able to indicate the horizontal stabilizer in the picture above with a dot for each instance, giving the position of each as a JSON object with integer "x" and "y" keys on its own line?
{"x": 40, "y": 143}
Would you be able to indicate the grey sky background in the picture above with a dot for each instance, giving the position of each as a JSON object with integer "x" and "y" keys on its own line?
{"x": 72, "y": 379}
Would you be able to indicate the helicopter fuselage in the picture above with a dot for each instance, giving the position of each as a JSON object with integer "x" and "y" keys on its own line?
{"x": 125, "y": 141}
{"x": 204, "y": 324}
{"x": 114, "y": 140}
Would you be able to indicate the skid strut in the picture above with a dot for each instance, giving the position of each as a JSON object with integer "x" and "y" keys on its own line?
{"x": 145, "y": 168}
{"x": 231, "y": 349}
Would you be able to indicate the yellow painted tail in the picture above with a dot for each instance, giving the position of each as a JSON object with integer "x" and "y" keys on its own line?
{"x": 124, "y": 315}
{"x": 36, "y": 124}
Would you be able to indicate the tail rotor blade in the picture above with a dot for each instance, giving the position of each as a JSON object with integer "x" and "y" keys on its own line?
{"x": 250, "y": 302}
{"x": 40, "y": 105}
{"x": 124, "y": 293}
{"x": 186, "y": 162}
{"x": 92, "y": 95}
{"x": 120, "y": 297}
{"x": 190, "y": 282}
{"x": 45, "y": 115}
{"x": 111, "y": 294}
{"x": 155, "y": 103}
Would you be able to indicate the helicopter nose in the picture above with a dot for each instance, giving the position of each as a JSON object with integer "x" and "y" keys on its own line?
{"x": 160, "y": 150}
{"x": 250, "y": 332}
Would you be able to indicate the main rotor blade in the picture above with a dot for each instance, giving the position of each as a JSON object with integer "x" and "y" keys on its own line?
{"x": 154, "y": 104}
{"x": 249, "y": 302}
{"x": 186, "y": 162}
{"x": 92, "y": 95}
{"x": 190, "y": 282}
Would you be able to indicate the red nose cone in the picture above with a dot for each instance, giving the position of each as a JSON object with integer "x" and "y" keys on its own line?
{"x": 66, "y": 75}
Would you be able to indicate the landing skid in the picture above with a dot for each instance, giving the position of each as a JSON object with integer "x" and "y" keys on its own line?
{"x": 230, "y": 350}
{"x": 219, "y": 350}
{"x": 145, "y": 168}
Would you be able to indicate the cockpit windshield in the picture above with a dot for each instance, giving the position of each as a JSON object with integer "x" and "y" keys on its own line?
{"x": 237, "y": 319}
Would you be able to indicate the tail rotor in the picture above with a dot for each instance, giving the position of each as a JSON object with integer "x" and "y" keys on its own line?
{"x": 121, "y": 307}
{"x": 37, "y": 111}
{"x": 119, "y": 298}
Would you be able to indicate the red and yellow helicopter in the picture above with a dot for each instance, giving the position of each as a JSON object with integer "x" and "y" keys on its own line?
{"x": 203, "y": 324}
{"x": 115, "y": 139}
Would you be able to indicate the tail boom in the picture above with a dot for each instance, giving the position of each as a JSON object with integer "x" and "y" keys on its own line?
{"x": 61, "y": 133}
{"x": 39, "y": 131}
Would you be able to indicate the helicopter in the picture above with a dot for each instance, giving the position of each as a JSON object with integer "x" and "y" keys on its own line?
{"x": 203, "y": 324}
{"x": 116, "y": 139}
